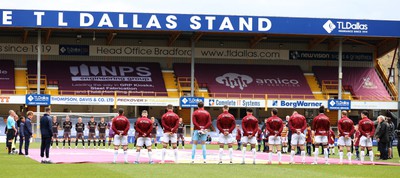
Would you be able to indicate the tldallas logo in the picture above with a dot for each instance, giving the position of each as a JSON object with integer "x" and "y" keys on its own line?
{"x": 329, "y": 26}
{"x": 345, "y": 27}
{"x": 234, "y": 80}
{"x": 211, "y": 102}
{"x": 110, "y": 73}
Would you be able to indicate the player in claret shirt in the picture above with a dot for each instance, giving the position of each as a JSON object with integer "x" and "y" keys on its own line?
{"x": 79, "y": 127}
{"x": 225, "y": 124}
{"x": 346, "y": 130}
{"x": 67, "y": 126}
{"x": 274, "y": 127}
{"x": 202, "y": 122}
{"x": 321, "y": 126}
{"x": 120, "y": 126}
{"x": 367, "y": 130}
{"x": 92, "y": 131}
{"x": 170, "y": 123}
{"x": 250, "y": 128}
{"x": 55, "y": 127}
{"x": 102, "y": 126}
{"x": 297, "y": 124}
{"x": 143, "y": 127}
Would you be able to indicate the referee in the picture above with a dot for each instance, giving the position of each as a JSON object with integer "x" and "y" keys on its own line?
{"x": 11, "y": 130}
{"x": 46, "y": 125}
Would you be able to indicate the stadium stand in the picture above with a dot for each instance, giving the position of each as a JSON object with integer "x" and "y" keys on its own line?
{"x": 363, "y": 83}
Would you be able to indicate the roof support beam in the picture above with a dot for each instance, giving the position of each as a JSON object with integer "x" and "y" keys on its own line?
{"x": 361, "y": 42}
{"x": 334, "y": 43}
{"x": 47, "y": 37}
{"x": 173, "y": 38}
{"x": 257, "y": 39}
{"x": 196, "y": 37}
{"x": 25, "y": 36}
{"x": 316, "y": 41}
{"x": 111, "y": 37}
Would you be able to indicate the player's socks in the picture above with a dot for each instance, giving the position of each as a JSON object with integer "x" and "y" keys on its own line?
{"x": 83, "y": 143}
{"x": 371, "y": 156}
{"x": 316, "y": 152}
{"x": 203, "y": 147}
{"x": 279, "y": 156}
{"x": 115, "y": 155}
{"x": 303, "y": 156}
{"x": 104, "y": 143}
{"x": 63, "y": 143}
{"x": 292, "y": 153}
{"x": 183, "y": 143}
{"x": 326, "y": 154}
{"x": 341, "y": 156}
{"x": 88, "y": 143}
{"x": 51, "y": 143}
{"x": 270, "y": 156}
{"x": 176, "y": 155}
{"x": 230, "y": 154}
{"x": 57, "y": 143}
{"x": 69, "y": 142}
{"x": 94, "y": 143}
{"x": 125, "y": 156}
{"x": 193, "y": 151}
{"x": 349, "y": 156}
{"x": 243, "y": 154}
{"x": 150, "y": 154}
{"x": 221, "y": 151}
{"x": 163, "y": 152}
{"x": 254, "y": 154}
{"x": 137, "y": 156}
{"x": 333, "y": 150}
{"x": 362, "y": 156}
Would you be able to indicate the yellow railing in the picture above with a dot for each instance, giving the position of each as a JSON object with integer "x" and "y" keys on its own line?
{"x": 385, "y": 75}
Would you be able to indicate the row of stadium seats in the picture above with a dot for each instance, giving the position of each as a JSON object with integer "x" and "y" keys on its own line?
{"x": 218, "y": 80}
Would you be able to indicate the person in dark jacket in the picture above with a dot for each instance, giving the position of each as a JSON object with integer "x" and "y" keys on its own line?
{"x": 27, "y": 131}
{"x": 46, "y": 124}
{"x": 382, "y": 136}
{"x": 392, "y": 135}
{"x": 21, "y": 133}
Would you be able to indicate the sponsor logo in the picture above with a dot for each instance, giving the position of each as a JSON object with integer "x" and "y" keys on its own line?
{"x": 368, "y": 84}
{"x": 278, "y": 82}
{"x": 3, "y": 72}
{"x": 234, "y": 80}
{"x": 112, "y": 73}
{"x": 184, "y": 100}
{"x": 329, "y": 26}
{"x": 296, "y": 104}
{"x": 30, "y": 98}
{"x": 345, "y": 27}
{"x": 332, "y": 103}
{"x": 4, "y": 99}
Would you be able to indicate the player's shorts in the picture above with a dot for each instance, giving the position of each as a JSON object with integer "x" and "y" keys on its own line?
{"x": 272, "y": 140}
{"x": 10, "y": 134}
{"x": 298, "y": 139}
{"x": 198, "y": 136}
{"x": 67, "y": 134}
{"x": 102, "y": 136}
{"x": 120, "y": 140}
{"x": 225, "y": 139}
{"x": 331, "y": 145}
{"x": 111, "y": 135}
{"x": 154, "y": 132}
{"x": 143, "y": 141}
{"x": 365, "y": 142}
{"x": 55, "y": 135}
{"x": 167, "y": 137}
{"x": 180, "y": 136}
{"x": 252, "y": 140}
{"x": 79, "y": 135}
{"x": 321, "y": 139}
{"x": 284, "y": 139}
{"x": 92, "y": 135}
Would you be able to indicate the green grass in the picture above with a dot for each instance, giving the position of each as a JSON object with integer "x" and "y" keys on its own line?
{"x": 19, "y": 166}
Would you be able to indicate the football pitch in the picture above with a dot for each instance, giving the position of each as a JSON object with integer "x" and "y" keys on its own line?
{"x": 19, "y": 166}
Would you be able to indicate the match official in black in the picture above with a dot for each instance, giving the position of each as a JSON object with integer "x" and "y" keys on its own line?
{"x": 46, "y": 130}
